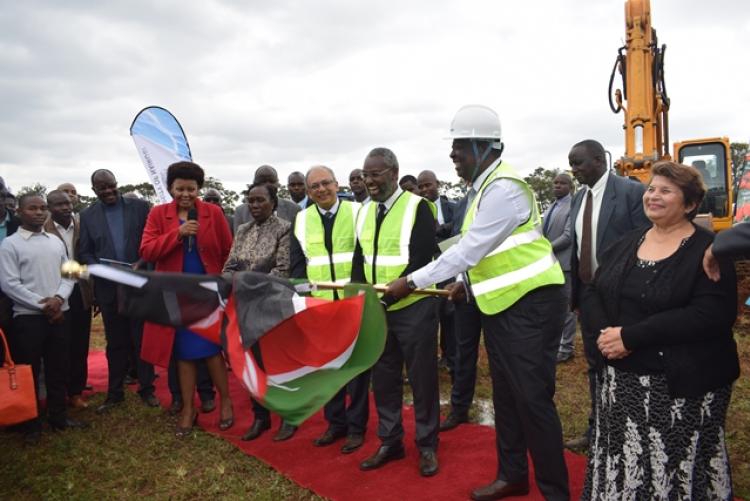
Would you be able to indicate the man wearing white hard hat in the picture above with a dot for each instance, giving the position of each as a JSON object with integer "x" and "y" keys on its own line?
{"x": 507, "y": 267}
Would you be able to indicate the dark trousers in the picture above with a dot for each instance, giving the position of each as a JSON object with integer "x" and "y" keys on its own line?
{"x": 468, "y": 325}
{"x": 34, "y": 339}
{"x": 522, "y": 344}
{"x": 79, "y": 333}
{"x": 124, "y": 335}
{"x": 203, "y": 379}
{"x": 446, "y": 313}
{"x": 594, "y": 359}
{"x": 411, "y": 339}
{"x": 352, "y": 419}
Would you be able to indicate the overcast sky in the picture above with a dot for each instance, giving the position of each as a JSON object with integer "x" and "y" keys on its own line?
{"x": 294, "y": 84}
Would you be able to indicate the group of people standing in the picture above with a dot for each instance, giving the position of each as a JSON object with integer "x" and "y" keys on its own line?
{"x": 656, "y": 327}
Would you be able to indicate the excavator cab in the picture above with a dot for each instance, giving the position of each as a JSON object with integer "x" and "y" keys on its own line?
{"x": 711, "y": 158}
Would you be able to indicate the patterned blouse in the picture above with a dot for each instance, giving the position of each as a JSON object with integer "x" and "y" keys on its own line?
{"x": 261, "y": 247}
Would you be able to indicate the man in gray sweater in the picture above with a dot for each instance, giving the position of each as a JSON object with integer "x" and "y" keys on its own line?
{"x": 30, "y": 261}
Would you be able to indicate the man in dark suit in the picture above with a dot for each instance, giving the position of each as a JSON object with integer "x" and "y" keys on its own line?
{"x": 295, "y": 184}
{"x": 427, "y": 187}
{"x": 66, "y": 227}
{"x": 556, "y": 228}
{"x": 111, "y": 231}
{"x": 607, "y": 207}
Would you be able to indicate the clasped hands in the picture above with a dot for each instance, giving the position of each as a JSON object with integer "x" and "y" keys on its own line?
{"x": 610, "y": 343}
{"x": 52, "y": 309}
{"x": 400, "y": 289}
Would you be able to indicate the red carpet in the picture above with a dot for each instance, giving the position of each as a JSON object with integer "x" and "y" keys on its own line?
{"x": 467, "y": 454}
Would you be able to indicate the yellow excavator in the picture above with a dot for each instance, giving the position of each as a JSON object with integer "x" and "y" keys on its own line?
{"x": 644, "y": 102}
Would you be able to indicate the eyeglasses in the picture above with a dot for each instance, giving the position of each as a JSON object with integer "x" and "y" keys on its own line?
{"x": 324, "y": 183}
{"x": 373, "y": 174}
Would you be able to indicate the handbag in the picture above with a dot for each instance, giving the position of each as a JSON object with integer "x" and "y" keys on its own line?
{"x": 17, "y": 390}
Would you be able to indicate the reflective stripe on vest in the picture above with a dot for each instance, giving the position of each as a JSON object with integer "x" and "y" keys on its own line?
{"x": 393, "y": 242}
{"x": 308, "y": 228}
{"x": 521, "y": 263}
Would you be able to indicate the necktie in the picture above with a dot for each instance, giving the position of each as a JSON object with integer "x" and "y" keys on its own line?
{"x": 329, "y": 215}
{"x": 548, "y": 219}
{"x": 585, "y": 264}
{"x": 380, "y": 215}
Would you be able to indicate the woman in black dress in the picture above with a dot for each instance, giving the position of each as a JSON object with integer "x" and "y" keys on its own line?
{"x": 668, "y": 353}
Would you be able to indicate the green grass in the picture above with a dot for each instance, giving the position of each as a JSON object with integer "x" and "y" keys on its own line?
{"x": 132, "y": 453}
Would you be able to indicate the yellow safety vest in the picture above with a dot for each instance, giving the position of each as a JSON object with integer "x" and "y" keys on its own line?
{"x": 393, "y": 242}
{"x": 521, "y": 263}
{"x": 308, "y": 228}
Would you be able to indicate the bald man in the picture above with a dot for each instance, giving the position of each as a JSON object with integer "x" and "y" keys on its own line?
{"x": 286, "y": 209}
{"x": 70, "y": 190}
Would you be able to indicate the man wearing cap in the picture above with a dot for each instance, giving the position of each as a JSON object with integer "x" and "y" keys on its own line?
{"x": 510, "y": 271}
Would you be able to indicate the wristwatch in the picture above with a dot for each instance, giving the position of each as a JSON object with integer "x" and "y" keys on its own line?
{"x": 410, "y": 283}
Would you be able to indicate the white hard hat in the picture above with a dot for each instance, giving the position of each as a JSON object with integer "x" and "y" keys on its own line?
{"x": 475, "y": 121}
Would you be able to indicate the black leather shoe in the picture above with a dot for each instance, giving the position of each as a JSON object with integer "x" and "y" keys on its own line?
{"x": 68, "y": 424}
{"x": 428, "y": 463}
{"x": 150, "y": 400}
{"x": 175, "y": 408}
{"x": 383, "y": 455}
{"x": 500, "y": 489}
{"x": 452, "y": 421}
{"x": 353, "y": 442}
{"x": 208, "y": 406}
{"x": 256, "y": 429}
{"x": 329, "y": 437}
{"x": 108, "y": 405}
{"x": 286, "y": 431}
{"x": 577, "y": 444}
{"x": 130, "y": 380}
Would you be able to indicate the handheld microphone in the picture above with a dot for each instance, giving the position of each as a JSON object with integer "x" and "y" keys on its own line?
{"x": 192, "y": 216}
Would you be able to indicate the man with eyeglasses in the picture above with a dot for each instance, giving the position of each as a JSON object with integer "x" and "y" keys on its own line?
{"x": 357, "y": 185}
{"x": 396, "y": 235}
{"x": 321, "y": 250}
{"x": 111, "y": 230}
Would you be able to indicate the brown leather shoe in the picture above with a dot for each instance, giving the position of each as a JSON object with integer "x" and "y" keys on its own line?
{"x": 428, "y": 463}
{"x": 328, "y": 437}
{"x": 353, "y": 442}
{"x": 500, "y": 489}
{"x": 384, "y": 454}
{"x": 77, "y": 402}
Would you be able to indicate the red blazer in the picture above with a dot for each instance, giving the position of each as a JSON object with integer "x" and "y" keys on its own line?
{"x": 160, "y": 246}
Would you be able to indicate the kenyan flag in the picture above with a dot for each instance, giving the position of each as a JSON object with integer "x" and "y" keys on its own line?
{"x": 293, "y": 353}
{"x": 303, "y": 361}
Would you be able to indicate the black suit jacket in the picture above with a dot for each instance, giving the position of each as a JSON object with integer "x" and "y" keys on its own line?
{"x": 95, "y": 241}
{"x": 620, "y": 213}
{"x": 733, "y": 242}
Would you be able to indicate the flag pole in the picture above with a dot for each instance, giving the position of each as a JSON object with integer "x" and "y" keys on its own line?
{"x": 378, "y": 288}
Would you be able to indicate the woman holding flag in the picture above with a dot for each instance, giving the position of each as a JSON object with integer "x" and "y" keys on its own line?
{"x": 189, "y": 236}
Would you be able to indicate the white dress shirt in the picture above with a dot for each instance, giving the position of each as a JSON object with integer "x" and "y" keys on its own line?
{"x": 333, "y": 210}
{"x": 439, "y": 205}
{"x": 597, "y": 192}
{"x": 504, "y": 206}
{"x": 67, "y": 236}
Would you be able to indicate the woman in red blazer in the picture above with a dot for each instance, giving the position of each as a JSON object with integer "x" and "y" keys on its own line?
{"x": 187, "y": 235}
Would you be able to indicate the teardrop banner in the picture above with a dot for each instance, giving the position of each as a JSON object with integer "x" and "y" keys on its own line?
{"x": 160, "y": 142}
